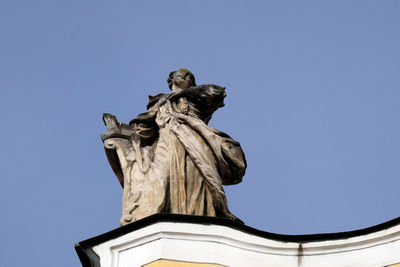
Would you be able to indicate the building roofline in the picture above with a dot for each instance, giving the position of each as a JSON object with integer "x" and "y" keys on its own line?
{"x": 205, "y": 220}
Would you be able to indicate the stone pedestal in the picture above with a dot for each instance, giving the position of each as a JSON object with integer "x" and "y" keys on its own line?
{"x": 180, "y": 241}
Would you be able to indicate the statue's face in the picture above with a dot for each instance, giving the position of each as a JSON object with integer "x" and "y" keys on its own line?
{"x": 181, "y": 80}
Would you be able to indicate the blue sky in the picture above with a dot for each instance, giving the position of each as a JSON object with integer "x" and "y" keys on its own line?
{"x": 313, "y": 97}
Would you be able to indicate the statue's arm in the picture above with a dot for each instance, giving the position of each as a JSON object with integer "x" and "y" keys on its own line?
{"x": 117, "y": 144}
{"x": 207, "y": 96}
{"x": 116, "y": 129}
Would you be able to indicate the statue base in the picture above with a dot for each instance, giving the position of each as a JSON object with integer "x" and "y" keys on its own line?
{"x": 166, "y": 240}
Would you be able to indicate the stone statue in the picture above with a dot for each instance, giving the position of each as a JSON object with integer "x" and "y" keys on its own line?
{"x": 168, "y": 159}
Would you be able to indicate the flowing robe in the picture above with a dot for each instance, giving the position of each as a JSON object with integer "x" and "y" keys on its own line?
{"x": 174, "y": 162}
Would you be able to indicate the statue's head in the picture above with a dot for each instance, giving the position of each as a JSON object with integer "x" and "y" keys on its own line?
{"x": 181, "y": 78}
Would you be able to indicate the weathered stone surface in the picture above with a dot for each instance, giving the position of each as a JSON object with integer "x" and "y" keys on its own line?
{"x": 168, "y": 159}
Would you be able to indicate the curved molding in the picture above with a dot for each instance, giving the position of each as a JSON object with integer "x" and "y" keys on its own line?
{"x": 228, "y": 243}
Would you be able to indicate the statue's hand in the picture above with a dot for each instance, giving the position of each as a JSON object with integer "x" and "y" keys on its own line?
{"x": 111, "y": 122}
{"x": 179, "y": 117}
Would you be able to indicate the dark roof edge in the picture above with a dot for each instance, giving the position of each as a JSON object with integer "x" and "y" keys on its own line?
{"x": 232, "y": 224}
{"x": 89, "y": 258}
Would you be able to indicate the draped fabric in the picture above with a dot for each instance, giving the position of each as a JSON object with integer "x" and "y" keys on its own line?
{"x": 174, "y": 145}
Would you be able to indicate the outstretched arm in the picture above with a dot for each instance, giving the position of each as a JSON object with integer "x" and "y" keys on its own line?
{"x": 207, "y": 95}
{"x": 206, "y": 99}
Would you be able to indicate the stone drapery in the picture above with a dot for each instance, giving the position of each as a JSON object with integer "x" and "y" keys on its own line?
{"x": 173, "y": 162}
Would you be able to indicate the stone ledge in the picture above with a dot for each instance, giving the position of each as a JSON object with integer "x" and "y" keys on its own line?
{"x": 223, "y": 242}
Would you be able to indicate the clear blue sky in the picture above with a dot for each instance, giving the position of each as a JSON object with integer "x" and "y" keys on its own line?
{"x": 313, "y": 97}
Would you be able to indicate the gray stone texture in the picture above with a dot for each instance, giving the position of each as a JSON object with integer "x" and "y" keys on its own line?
{"x": 168, "y": 159}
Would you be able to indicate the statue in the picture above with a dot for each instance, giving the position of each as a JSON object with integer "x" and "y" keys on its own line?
{"x": 168, "y": 160}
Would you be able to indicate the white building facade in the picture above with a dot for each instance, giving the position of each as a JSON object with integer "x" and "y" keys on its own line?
{"x": 166, "y": 240}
